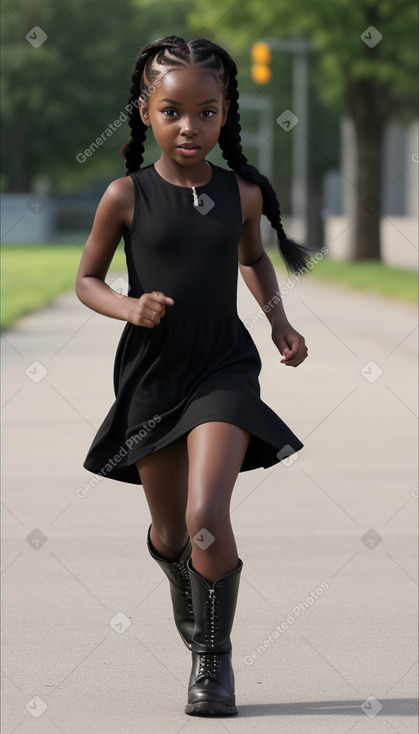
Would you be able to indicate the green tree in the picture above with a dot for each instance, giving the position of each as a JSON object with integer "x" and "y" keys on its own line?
{"x": 367, "y": 52}
{"x": 60, "y": 93}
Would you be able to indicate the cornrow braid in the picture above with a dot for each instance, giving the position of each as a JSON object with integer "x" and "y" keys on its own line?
{"x": 174, "y": 51}
{"x": 133, "y": 149}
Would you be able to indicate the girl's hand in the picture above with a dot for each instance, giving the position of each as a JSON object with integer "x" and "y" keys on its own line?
{"x": 291, "y": 345}
{"x": 149, "y": 309}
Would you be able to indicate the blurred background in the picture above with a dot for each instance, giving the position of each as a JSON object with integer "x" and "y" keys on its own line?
{"x": 328, "y": 110}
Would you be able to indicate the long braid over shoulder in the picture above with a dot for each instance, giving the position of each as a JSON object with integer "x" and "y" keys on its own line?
{"x": 174, "y": 52}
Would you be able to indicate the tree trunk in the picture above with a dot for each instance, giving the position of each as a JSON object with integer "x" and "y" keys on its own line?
{"x": 19, "y": 178}
{"x": 315, "y": 228}
{"x": 366, "y": 101}
{"x": 362, "y": 98}
{"x": 369, "y": 138}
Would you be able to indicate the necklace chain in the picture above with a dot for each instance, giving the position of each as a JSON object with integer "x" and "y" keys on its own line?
{"x": 194, "y": 194}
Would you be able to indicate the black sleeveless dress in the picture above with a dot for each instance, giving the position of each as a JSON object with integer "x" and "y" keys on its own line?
{"x": 200, "y": 363}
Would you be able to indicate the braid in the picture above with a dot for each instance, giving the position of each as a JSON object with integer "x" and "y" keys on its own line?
{"x": 210, "y": 55}
{"x": 165, "y": 51}
{"x": 295, "y": 256}
{"x": 173, "y": 51}
{"x": 133, "y": 149}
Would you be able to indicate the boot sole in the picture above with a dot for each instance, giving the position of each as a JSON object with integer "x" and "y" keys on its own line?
{"x": 209, "y": 708}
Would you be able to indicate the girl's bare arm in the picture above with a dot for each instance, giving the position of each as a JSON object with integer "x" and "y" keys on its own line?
{"x": 259, "y": 275}
{"x": 113, "y": 215}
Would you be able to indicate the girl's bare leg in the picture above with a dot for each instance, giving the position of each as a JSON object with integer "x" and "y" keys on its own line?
{"x": 216, "y": 451}
{"x": 165, "y": 482}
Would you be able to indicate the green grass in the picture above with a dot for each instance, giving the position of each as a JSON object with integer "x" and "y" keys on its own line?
{"x": 369, "y": 276}
{"x": 33, "y": 276}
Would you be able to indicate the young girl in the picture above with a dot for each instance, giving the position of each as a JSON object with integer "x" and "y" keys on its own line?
{"x": 188, "y": 415}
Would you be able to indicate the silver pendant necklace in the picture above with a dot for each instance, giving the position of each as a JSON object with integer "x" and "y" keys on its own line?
{"x": 194, "y": 194}
{"x": 195, "y": 197}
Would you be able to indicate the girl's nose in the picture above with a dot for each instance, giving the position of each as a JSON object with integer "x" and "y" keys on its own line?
{"x": 188, "y": 128}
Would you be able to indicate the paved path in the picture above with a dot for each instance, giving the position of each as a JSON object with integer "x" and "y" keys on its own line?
{"x": 324, "y": 638}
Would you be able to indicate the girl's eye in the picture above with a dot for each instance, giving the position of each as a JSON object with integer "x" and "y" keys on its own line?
{"x": 171, "y": 112}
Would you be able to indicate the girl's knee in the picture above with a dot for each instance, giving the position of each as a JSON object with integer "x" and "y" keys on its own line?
{"x": 206, "y": 517}
{"x": 170, "y": 537}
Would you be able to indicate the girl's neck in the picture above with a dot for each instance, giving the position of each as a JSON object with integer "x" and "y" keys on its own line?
{"x": 189, "y": 177}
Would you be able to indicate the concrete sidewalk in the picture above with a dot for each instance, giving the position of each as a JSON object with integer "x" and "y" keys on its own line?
{"x": 324, "y": 637}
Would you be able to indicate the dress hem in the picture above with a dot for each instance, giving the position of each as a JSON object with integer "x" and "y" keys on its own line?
{"x": 298, "y": 445}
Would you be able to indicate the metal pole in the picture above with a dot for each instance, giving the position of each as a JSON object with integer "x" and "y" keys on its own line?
{"x": 263, "y": 139}
{"x": 300, "y": 48}
{"x": 266, "y": 151}
{"x": 299, "y": 144}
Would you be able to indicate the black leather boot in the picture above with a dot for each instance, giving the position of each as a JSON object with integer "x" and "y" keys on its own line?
{"x": 211, "y": 685}
{"x": 180, "y": 589}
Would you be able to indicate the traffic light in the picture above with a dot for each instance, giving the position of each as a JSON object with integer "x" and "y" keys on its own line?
{"x": 261, "y": 59}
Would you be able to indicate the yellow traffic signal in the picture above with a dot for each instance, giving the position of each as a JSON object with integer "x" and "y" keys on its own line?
{"x": 261, "y": 59}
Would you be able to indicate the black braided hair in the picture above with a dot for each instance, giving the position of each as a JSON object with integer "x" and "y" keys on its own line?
{"x": 133, "y": 149}
{"x": 174, "y": 51}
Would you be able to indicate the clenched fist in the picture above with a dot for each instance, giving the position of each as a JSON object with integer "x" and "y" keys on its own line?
{"x": 149, "y": 309}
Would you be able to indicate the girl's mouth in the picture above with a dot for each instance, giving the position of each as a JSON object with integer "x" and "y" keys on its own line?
{"x": 189, "y": 150}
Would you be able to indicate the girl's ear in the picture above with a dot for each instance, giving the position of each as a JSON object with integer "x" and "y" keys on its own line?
{"x": 225, "y": 112}
{"x": 143, "y": 110}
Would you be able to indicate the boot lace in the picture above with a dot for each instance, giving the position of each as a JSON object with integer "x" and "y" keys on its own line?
{"x": 184, "y": 582}
{"x": 209, "y": 666}
{"x": 212, "y": 618}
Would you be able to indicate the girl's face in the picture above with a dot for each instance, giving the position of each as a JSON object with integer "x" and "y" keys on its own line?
{"x": 186, "y": 113}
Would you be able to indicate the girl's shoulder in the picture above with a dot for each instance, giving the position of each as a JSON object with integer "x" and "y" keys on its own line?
{"x": 251, "y": 198}
{"x": 121, "y": 188}
{"x": 118, "y": 200}
{"x": 124, "y": 188}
